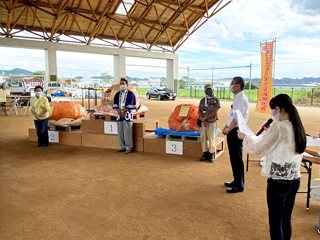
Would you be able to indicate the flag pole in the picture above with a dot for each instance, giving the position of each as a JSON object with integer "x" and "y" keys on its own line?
{"x": 274, "y": 64}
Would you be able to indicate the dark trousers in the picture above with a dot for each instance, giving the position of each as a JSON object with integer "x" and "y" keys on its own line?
{"x": 42, "y": 132}
{"x": 281, "y": 195}
{"x": 235, "y": 153}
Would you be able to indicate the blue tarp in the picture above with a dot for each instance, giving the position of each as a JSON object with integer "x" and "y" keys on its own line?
{"x": 162, "y": 131}
{"x": 58, "y": 94}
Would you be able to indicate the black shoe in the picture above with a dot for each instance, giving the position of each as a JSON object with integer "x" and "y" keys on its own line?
{"x": 211, "y": 158}
{"x": 204, "y": 157}
{"x": 228, "y": 184}
{"x": 234, "y": 190}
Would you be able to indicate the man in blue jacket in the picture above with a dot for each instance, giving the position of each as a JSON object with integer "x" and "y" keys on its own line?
{"x": 124, "y": 103}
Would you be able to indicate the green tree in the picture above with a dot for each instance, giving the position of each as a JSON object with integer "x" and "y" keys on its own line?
{"x": 39, "y": 72}
{"x": 184, "y": 80}
{"x": 253, "y": 86}
{"x": 106, "y": 77}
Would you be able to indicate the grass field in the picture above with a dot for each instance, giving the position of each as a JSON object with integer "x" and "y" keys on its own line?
{"x": 299, "y": 96}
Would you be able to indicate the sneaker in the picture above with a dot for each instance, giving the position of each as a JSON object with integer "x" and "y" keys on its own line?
{"x": 128, "y": 151}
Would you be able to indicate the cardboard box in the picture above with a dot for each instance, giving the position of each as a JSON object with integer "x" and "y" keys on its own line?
{"x": 100, "y": 140}
{"x": 73, "y": 138}
{"x": 141, "y": 125}
{"x": 153, "y": 144}
{"x": 138, "y": 144}
{"x": 92, "y": 126}
{"x": 192, "y": 149}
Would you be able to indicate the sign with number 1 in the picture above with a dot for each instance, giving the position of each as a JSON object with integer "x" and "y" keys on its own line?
{"x": 174, "y": 147}
{"x": 110, "y": 127}
{"x": 53, "y": 136}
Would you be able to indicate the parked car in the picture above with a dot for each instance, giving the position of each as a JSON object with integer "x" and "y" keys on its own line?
{"x": 160, "y": 93}
{"x": 30, "y": 89}
{"x": 53, "y": 87}
{"x": 92, "y": 94}
{"x": 16, "y": 85}
{"x": 74, "y": 91}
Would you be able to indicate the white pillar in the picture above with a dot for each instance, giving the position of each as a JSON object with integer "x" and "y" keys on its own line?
{"x": 51, "y": 64}
{"x": 119, "y": 67}
{"x": 172, "y": 74}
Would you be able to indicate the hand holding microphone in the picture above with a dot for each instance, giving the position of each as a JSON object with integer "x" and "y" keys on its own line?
{"x": 265, "y": 126}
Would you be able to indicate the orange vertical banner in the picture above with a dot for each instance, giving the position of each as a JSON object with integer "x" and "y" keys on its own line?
{"x": 265, "y": 90}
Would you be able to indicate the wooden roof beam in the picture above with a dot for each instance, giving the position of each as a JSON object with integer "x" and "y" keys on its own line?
{"x": 195, "y": 7}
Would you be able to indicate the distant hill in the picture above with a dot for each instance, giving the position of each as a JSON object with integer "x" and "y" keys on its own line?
{"x": 290, "y": 80}
{"x": 134, "y": 79}
{"x": 17, "y": 71}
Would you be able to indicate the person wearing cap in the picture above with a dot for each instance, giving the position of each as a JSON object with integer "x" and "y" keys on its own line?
{"x": 240, "y": 103}
{"x": 208, "y": 115}
{"x": 124, "y": 103}
{"x": 40, "y": 108}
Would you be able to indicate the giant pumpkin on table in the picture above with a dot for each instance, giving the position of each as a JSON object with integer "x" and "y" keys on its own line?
{"x": 184, "y": 122}
{"x": 66, "y": 110}
{"x": 108, "y": 96}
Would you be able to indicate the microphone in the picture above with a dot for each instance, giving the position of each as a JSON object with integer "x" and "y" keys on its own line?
{"x": 267, "y": 124}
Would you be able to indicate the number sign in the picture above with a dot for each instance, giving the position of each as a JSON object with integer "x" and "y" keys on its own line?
{"x": 174, "y": 147}
{"x": 53, "y": 136}
{"x": 110, "y": 127}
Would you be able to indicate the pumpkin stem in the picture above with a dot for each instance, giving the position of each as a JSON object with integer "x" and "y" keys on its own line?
{"x": 185, "y": 122}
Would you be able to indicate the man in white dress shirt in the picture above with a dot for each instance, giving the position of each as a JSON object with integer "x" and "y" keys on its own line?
{"x": 240, "y": 103}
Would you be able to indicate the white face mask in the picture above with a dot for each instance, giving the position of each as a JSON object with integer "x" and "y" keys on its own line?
{"x": 276, "y": 117}
{"x": 231, "y": 88}
{"x": 38, "y": 94}
{"x": 123, "y": 87}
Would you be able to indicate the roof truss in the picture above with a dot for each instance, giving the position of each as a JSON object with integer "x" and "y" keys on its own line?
{"x": 152, "y": 25}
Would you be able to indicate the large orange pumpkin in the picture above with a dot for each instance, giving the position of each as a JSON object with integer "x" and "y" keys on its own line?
{"x": 185, "y": 119}
{"x": 66, "y": 110}
{"x": 108, "y": 96}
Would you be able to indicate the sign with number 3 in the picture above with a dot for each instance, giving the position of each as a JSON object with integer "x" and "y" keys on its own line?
{"x": 174, "y": 147}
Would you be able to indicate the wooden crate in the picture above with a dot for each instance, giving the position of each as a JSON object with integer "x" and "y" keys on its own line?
{"x": 107, "y": 117}
{"x": 66, "y": 128}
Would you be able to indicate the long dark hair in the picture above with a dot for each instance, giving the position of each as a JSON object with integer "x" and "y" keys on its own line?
{"x": 283, "y": 101}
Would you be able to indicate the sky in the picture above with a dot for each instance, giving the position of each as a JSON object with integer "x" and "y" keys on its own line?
{"x": 231, "y": 38}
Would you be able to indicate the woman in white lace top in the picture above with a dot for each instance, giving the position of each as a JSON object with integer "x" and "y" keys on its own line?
{"x": 282, "y": 146}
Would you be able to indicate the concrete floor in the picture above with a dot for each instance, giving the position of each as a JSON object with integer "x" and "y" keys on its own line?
{"x": 66, "y": 192}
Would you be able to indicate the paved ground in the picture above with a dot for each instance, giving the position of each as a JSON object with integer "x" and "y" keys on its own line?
{"x": 65, "y": 192}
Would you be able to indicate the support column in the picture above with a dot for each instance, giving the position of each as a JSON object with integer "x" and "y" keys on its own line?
{"x": 172, "y": 74}
{"x": 51, "y": 64}
{"x": 119, "y": 67}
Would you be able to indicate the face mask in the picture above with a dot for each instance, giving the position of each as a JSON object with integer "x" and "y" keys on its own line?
{"x": 38, "y": 94}
{"x": 123, "y": 87}
{"x": 276, "y": 117}
{"x": 232, "y": 89}
{"x": 209, "y": 92}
